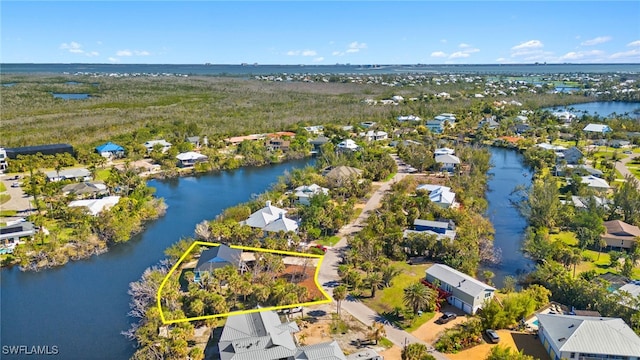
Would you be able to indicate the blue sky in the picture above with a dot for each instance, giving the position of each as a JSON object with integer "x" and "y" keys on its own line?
{"x": 326, "y": 32}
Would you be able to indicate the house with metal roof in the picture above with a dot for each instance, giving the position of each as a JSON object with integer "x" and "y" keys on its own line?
{"x": 95, "y": 206}
{"x": 11, "y": 234}
{"x": 347, "y": 145}
{"x": 110, "y": 150}
{"x": 595, "y": 183}
{"x": 439, "y": 195}
{"x": 263, "y": 336}
{"x": 190, "y": 158}
{"x": 217, "y": 257}
{"x": 597, "y": 128}
{"x": 271, "y": 218}
{"x": 76, "y": 174}
{"x": 448, "y": 162}
{"x": 587, "y": 337}
{"x": 162, "y": 144}
{"x": 304, "y": 193}
{"x": 463, "y": 291}
{"x": 85, "y": 189}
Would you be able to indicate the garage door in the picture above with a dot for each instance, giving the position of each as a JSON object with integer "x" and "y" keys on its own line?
{"x": 467, "y": 308}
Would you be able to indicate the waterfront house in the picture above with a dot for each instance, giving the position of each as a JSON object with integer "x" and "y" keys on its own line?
{"x": 317, "y": 143}
{"x": 597, "y": 128}
{"x": 587, "y": 337}
{"x": 271, "y": 218}
{"x": 447, "y": 162}
{"x": 263, "y": 336}
{"x": 190, "y": 158}
{"x": 162, "y": 144}
{"x": 110, "y": 150}
{"x": 572, "y": 155}
{"x": 463, "y": 291}
{"x": 85, "y": 189}
{"x": 619, "y": 234}
{"x": 443, "y": 151}
{"x": 306, "y": 192}
{"x": 435, "y": 127}
{"x": 275, "y": 144}
{"x": 95, "y": 206}
{"x": 3, "y": 159}
{"x": 217, "y": 257}
{"x": 12, "y": 233}
{"x": 77, "y": 174}
{"x": 340, "y": 174}
{"x": 439, "y": 195}
{"x": 564, "y": 116}
{"x": 441, "y": 229}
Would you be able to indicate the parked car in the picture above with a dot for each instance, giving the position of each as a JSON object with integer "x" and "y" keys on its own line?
{"x": 493, "y": 336}
{"x": 296, "y": 309}
{"x": 15, "y": 184}
{"x": 321, "y": 247}
{"x": 446, "y": 317}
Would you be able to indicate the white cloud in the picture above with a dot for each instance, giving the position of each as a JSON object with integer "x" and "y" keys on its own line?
{"x": 438, "y": 54}
{"x": 93, "y": 53}
{"x": 124, "y": 53}
{"x": 501, "y": 59}
{"x": 463, "y": 45}
{"x": 141, "y": 53}
{"x": 596, "y": 41}
{"x": 531, "y": 44}
{"x": 318, "y": 59}
{"x": 128, "y": 52}
{"x": 337, "y": 53}
{"x": 459, "y": 54}
{"x": 634, "y": 43}
{"x": 302, "y": 53}
{"x": 355, "y": 47}
{"x": 113, "y": 59}
{"x": 629, "y": 55}
{"x": 72, "y": 47}
{"x": 591, "y": 55}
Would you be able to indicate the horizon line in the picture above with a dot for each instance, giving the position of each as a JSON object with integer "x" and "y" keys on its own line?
{"x": 336, "y": 64}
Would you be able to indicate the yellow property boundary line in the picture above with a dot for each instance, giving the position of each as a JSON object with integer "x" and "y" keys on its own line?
{"x": 326, "y": 300}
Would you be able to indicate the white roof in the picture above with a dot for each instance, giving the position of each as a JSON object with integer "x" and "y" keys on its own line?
{"x": 152, "y": 143}
{"x": 310, "y": 190}
{"x": 95, "y": 206}
{"x": 190, "y": 155}
{"x": 592, "y": 335}
{"x": 548, "y": 146}
{"x": 601, "y": 128}
{"x": 348, "y": 144}
{"x": 282, "y": 224}
{"x": 595, "y": 182}
{"x": 447, "y": 159}
{"x": 462, "y": 281}
{"x": 444, "y": 151}
{"x": 69, "y": 173}
{"x": 439, "y": 194}
{"x": 264, "y": 216}
{"x": 409, "y": 118}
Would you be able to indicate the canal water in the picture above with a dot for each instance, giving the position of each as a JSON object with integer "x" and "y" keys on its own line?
{"x": 81, "y": 308}
{"x": 508, "y": 171}
{"x": 602, "y": 108}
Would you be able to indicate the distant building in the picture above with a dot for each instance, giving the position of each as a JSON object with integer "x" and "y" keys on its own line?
{"x": 110, "y": 150}
{"x": 347, "y": 145}
{"x": 78, "y": 174}
{"x": 3, "y": 159}
{"x": 374, "y": 135}
{"x": 51, "y": 149}
{"x": 162, "y": 144}
{"x": 190, "y": 158}
{"x": 306, "y": 192}
{"x": 597, "y": 128}
{"x": 95, "y": 206}
{"x": 619, "y": 234}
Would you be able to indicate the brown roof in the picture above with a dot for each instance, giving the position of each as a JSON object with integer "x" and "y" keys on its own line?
{"x": 340, "y": 172}
{"x": 621, "y": 228}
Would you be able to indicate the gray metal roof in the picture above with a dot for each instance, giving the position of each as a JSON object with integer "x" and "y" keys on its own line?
{"x": 322, "y": 351}
{"x": 218, "y": 257}
{"x": 459, "y": 280}
{"x": 257, "y": 336}
{"x": 593, "y": 335}
{"x": 431, "y": 223}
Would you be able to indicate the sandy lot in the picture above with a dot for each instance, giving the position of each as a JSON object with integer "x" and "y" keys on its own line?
{"x": 430, "y": 331}
{"x": 512, "y": 339}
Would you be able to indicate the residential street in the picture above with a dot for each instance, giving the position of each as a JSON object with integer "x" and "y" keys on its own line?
{"x": 621, "y": 165}
{"x": 328, "y": 275}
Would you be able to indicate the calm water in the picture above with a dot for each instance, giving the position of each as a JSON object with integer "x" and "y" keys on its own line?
{"x": 508, "y": 171}
{"x": 82, "y": 307}
{"x": 237, "y": 70}
{"x": 66, "y": 96}
{"x": 602, "y": 108}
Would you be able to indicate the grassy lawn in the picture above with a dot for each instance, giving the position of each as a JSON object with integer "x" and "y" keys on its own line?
{"x": 4, "y": 198}
{"x": 8, "y": 213}
{"x": 2, "y": 187}
{"x": 329, "y": 241}
{"x": 389, "y": 298}
{"x": 388, "y": 178}
{"x": 102, "y": 174}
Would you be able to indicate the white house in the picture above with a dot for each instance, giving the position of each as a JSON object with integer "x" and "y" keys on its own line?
{"x": 444, "y": 151}
{"x": 564, "y": 116}
{"x": 403, "y": 118}
{"x": 440, "y": 195}
{"x": 78, "y": 174}
{"x": 595, "y": 182}
{"x": 464, "y": 292}
{"x": 95, "y": 206}
{"x": 375, "y": 135}
{"x": 306, "y": 192}
{"x": 448, "y": 162}
{"x": 164, "y": 146}
{"x": 347, "y": 145}
{"x": 190, "y": 158}
{"x": 587, "y": 337}
{"x": 597, "y": 128}
{"x": 271, "y": 218}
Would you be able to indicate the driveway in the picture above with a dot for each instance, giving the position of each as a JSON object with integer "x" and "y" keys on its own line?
{"x": 621, "y": 165}
{"x": 19, "y": 201}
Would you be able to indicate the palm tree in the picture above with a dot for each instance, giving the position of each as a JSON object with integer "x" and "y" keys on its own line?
{"x": 375, "y": 281}
{"x": 339, "y": 294}
{"x": 419, "y": 297}
{"x": 377, "y": 332}
{"x": 388, "y": 273}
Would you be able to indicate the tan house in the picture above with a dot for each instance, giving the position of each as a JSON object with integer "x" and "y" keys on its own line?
{"x": 619, "y": 234}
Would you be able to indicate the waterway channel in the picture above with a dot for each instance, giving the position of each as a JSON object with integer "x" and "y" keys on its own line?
{"x": 81, "y": 308}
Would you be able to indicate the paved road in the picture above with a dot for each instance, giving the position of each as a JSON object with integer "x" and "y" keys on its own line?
{"x": 19, "y": 200}
{"x": 328, "y": 275}
{"x": 621, "y": 165}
